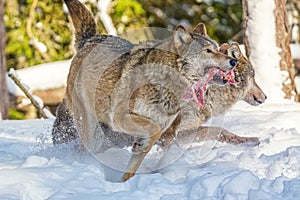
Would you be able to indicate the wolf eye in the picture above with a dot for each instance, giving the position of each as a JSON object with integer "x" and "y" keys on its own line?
{"x": 207, "y": 50}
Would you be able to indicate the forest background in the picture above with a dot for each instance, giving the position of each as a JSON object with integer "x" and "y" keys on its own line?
{"x": 40, "y": 31}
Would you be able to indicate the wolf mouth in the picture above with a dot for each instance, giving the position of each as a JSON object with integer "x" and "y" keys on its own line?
{"x": 222, "y": 77}
{"x": 198, "y": 89}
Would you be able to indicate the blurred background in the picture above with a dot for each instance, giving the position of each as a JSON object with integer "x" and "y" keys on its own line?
{"x": 48, "y": 23}
{"x": 40, "y": 31}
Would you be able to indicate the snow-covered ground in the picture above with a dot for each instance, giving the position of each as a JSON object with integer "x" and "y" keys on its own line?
{"x": 32, "y": 168}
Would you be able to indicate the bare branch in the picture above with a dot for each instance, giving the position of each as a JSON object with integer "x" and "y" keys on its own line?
{"x": 34, "y": 102}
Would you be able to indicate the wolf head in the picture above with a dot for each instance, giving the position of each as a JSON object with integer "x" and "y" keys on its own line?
{"x": 245, "y": 74}
{"x": 199, "y": 53}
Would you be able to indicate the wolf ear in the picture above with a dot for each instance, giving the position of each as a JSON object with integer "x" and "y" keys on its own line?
{"x": 224, "y": 48}
{"x": 235, "y": 51}
{"x": 181, "y": 37}
{"x": 200, "y": 29}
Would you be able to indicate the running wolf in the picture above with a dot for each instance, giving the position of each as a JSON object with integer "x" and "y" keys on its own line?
{"x": 219, "y": 99}
{"x": 138, "y": 90}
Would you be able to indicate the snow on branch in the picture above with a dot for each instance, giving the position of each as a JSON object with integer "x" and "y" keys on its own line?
{"x": 35, "y": 100}
{"x": 103, "y": 7}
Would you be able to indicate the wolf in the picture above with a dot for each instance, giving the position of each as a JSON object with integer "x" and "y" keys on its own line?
{"x": 219, "y": 99}
{"x": 134, "y": 90}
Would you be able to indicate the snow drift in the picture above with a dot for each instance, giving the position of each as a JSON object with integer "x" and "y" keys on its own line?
{"x": 32, "y": 168}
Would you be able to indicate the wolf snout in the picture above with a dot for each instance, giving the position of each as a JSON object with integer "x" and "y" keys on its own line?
{"x": 259, "y": 100}
{"x": 233, "y": 62}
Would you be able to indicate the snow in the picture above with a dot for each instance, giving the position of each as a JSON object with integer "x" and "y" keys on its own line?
{"x": 297, "y": 82}
{"x": 32, "y": 168}
{"x": 38, "y": 100}
{"x": 41, "y": 77}
{"x": 295, "y": 51}
{"x": 39, "y": 45}
{"x": 48, "y": 113}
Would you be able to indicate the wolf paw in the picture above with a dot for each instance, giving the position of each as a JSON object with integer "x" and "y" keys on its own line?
{"x": 127, "y": 176}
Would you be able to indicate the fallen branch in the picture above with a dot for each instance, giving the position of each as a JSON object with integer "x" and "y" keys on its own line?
{"x": 33, "y": 100}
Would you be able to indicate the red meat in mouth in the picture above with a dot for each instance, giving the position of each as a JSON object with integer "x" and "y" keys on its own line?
{"x": 198, "y": 89}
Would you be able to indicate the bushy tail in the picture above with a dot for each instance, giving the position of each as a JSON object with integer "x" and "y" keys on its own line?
{"x": 83, "y": 22}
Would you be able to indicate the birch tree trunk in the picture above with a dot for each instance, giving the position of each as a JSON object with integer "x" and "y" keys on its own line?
{"x": 3, "y": 86}
{"x": 267, "y": 43}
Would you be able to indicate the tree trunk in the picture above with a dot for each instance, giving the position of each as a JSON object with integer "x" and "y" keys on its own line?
{"x": 3, "y": 86}
{"x": 266, "y": 31}
{"x": 283, "y": 43}
{"x": 245, "y": 27}
{"x": 293, "y": 12}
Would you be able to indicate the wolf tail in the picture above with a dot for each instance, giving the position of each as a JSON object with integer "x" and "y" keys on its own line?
{"x": 83, "y": 22}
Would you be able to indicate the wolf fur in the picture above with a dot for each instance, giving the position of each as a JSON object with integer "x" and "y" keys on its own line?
{"x": 218, "y": 100}
{"x": 132, "y": 89}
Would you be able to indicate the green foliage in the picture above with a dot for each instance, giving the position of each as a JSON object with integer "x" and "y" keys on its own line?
{"x": 128, "y": 14}
{"x": 50, "y": 25}
{"x": 224, "y": 21}
{"x": 222, "y": 18}
{"x": 130, "y": 8}
{"x": 14, "y": 114}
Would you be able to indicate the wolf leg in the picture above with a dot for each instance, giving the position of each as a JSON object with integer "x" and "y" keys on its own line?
{"x": 147, "y": 132}
{"x": 133, "y": 164}
{"x": 215, "y": 133}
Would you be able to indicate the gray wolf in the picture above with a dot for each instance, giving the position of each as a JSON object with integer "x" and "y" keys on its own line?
{"x": 136, "y": 90}
{"x": 219, "y": 99}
